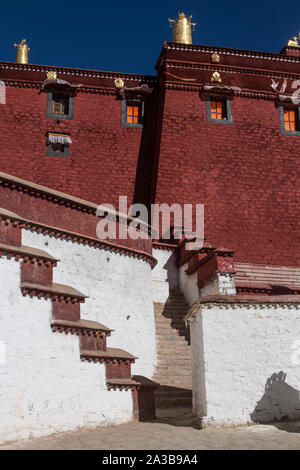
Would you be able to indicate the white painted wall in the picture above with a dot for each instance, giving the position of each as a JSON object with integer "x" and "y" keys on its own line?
{"x": 164, "y": 275}
{"x": 44, "y": 387}
{"x": 189, "y": 284}
{"x": 220, "y": 284}
{"x": 236, "y": 350}
{"x": 2, "y": 93}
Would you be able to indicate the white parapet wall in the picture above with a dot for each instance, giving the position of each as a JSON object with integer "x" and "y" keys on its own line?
{"x": 44, "y": 387}
{"x": 220, "y": 283}
{"x": 245, "y": 363}
{"x": 189, "y": 284}
{"x": 164, "y": 275}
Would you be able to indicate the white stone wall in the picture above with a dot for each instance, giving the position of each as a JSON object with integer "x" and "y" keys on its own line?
{"x": 44, "y": 387}
{"x": 164, "y": 275}
{"x": 220, "y": 284}
{"x": 244, "y": 363}
{"x": 188, "y": 284}
{"x": 2, "y": 93}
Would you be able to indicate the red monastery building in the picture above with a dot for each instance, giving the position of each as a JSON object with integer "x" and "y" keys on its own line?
{"x": 214, "y": 126}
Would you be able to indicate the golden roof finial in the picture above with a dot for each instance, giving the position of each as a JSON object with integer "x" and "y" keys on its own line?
{"x": 294, "y": 42}
{"x": 182, "y": 29}
{"x": 22, "y": 52}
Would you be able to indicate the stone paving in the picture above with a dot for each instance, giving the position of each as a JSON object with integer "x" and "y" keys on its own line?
{"x": 168, "y": 432}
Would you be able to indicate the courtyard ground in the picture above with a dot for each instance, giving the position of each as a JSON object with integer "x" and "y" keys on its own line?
{"x": 168, "y": 432}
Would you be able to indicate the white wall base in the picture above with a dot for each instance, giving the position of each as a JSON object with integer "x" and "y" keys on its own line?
{"x": 243, "y": 363}
{"x": 44, "y": 386}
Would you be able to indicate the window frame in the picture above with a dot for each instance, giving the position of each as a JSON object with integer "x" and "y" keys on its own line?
{"x": 51, "y": 153}
{"x": 295, "y": 108}
{"x": 227, "y": 102}
{"x": 49, "y": 112}
{"x": 133, "y": 102}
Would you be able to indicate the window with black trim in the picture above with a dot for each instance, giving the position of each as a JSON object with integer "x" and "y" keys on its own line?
{"x": 290, "y": 119}
{"x": 132, "y": 113}
{"x": 60, "y": 106}
{"x": 218, "y": 109}
{"x": 58, "y": 145}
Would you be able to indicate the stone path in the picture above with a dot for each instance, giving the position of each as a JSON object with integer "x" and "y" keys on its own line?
{"x": 168, "y": 433}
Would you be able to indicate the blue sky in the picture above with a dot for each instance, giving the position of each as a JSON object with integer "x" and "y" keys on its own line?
{"x": 128, "y": 36}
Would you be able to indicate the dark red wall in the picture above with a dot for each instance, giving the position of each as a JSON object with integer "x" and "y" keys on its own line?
{"x": 104, "y": 156}
{"x": 246, "y": 175}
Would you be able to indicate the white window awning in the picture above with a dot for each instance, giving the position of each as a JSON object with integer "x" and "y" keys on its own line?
{"x": 59, "y": 139}
{"x": 59, "y": 81}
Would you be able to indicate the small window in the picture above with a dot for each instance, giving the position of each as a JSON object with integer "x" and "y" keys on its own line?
{"x": 290, "y": 120}
{"x": 218, "y": 110}
{"x": 132, "y": 113}
{"x": 58, "y": 145}
{"x": 60, "y": 106}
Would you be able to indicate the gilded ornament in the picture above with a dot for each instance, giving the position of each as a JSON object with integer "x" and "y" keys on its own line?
{"x": 182, "y": 29}
{"x": 294, "y": 42}
{"x": 51, "y": 75}
{"x": 215, "y": 58}
{"x": 216, "y": 77}
{"x": 22, "y": 52}
{"x": 119, "y": 83}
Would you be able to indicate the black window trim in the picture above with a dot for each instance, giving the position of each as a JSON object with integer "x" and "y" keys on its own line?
{"x": 227, "y": 101}
{"x": 141, "y": 104}
{"x": 49, "y": 113}
{"x": 282, "y": 107}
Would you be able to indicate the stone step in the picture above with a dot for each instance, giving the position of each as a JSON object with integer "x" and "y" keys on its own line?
{"x": 174, "y": 362}
{"x": 173, "y": 392}
{"x": 169, "y": 329}
{"x": 172, "y": 323}
{"x": 176, "y": 417}
{"x": 172, "y": 378}
{"x": 177, "y": 353}
{"x": 172, "y": 402}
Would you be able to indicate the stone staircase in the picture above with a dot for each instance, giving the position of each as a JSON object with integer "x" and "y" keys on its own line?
{"x": 173, "y": 370}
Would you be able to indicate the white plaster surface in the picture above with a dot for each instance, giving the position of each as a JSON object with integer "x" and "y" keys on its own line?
{"x": 164, "y": 275}
{"x": 188, "y": 284}
{"x": 2, "y": 93}
{"x": 220, "y": 284}
{"x": 44, "y": 387}
{"x": 243, "y": 364}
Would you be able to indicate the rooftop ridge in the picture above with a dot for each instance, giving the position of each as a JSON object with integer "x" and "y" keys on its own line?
{"x": 77, "y": 71}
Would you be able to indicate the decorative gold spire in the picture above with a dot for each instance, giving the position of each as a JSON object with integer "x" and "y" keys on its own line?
{"x": 182, "y": 29}
{"x": 294, "y": 42}
{"x": 22, "y": 53}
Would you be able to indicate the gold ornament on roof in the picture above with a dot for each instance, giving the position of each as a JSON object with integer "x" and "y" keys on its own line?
{"x": 215, "y": 58}
{"x": 216, "y": 77}
{"x": 52, "y": 75}
{"x": 22, "y": 52}
{"x": 119, "y": 83}
{"x": 182, "y": 29}
{"x": 294, "y": 42}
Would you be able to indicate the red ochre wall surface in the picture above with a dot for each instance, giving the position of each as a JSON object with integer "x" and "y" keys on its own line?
{"x": 246, "y": 173}
{"x": 104, "y": 156}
